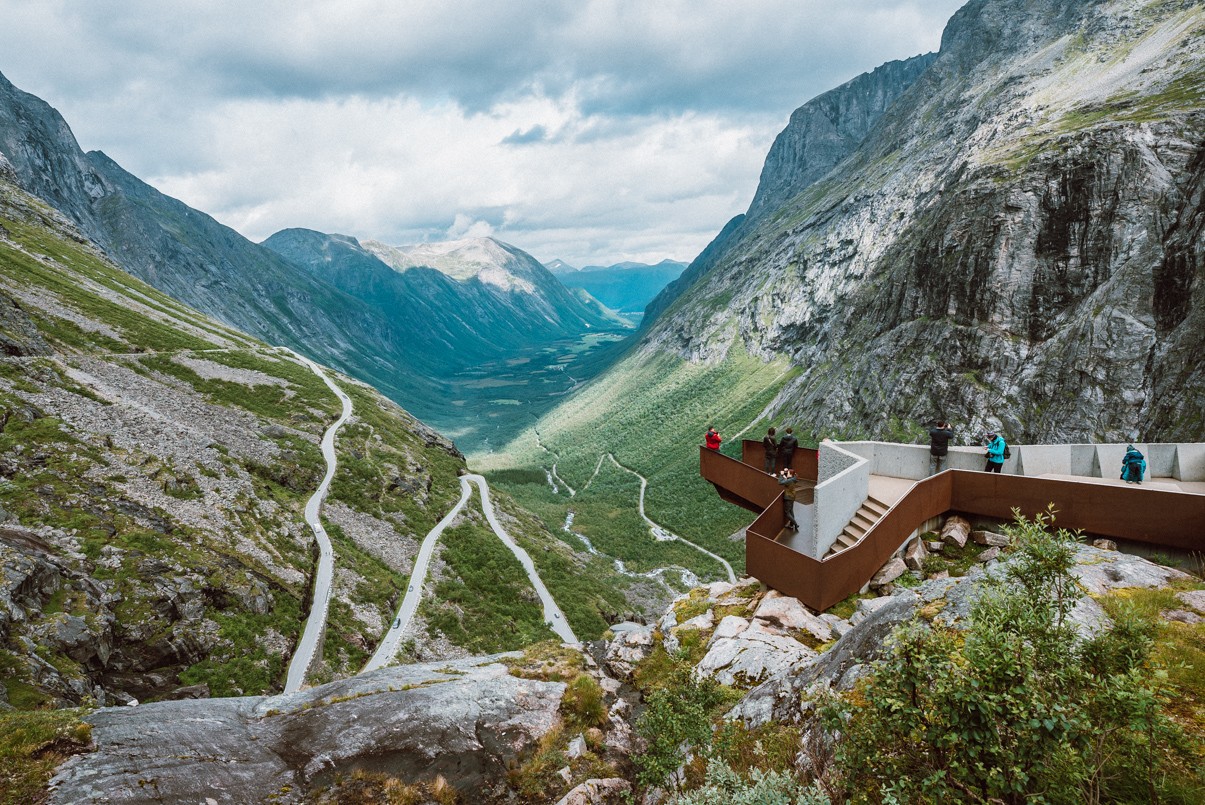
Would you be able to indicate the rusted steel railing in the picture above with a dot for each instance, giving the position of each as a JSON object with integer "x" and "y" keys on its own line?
{"x": 1160, "y": 517}
{"x": 805, "y": 462}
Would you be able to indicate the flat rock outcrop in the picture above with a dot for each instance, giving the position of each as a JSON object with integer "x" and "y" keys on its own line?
{"x": 464, "y": 720}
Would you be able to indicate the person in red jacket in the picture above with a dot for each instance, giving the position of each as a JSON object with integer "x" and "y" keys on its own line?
{"x": 712, "y": 438}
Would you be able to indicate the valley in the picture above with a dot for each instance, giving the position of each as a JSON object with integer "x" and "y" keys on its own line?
{"x": 424, "y": 524}
{"x": 487, "y": 403}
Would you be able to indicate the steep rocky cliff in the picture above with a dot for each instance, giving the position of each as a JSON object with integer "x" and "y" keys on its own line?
{"x": 1014, "y": 243}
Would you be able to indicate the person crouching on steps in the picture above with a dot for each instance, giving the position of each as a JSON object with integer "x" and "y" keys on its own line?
{"x": 712, "y": 438}
{"x": 786, "y": 479}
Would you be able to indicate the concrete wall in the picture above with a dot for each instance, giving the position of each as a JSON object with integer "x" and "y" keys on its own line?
{"x": 1044, "y": 459}
{"x": 833, "y": 460}
{"x": 838, "y": 496}
{"x": 1189, "y": 462}
{"x": 1083, "y": 459}
{"x": 1161, "y": 460}
{"x": 1183, "y": 461}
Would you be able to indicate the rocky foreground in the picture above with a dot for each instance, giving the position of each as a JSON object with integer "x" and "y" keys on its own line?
{"x": 481, "y": 725}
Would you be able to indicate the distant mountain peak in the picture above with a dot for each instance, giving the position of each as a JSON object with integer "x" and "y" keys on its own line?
{"x": 487, "y": 259}
{"x": 559, "y": 266}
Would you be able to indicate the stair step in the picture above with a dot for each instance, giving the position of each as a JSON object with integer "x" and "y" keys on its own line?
{"x": 846, "y": 539}
{"x": 864, "y": 520}
{"x": 876, "y": 505}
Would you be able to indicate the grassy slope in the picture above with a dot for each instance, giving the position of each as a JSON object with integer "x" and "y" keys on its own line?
{"x": 650, "y": 413}
{"x": 52, "y": 487}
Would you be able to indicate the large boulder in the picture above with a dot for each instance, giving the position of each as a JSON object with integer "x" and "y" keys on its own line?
{"x": 465, "y": 720}
{"x": 743, "y": 657}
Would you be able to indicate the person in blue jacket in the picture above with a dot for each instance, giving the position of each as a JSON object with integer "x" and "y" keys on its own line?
{"x": 995, "y": 453}
{"x": 1133, "y": 465}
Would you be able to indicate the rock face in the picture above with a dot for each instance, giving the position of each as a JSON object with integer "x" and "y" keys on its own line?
{"x": 1015, "y": 243}
{"x": 464, "y": 720}
{"x": 827, "y": 129}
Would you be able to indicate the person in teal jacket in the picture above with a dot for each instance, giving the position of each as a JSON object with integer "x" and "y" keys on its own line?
{"x": 995, "y": 453}
{"x": 1133, "y": 465}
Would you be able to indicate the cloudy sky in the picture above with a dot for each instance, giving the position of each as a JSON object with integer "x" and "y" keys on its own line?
{"x": 590, "y": 130}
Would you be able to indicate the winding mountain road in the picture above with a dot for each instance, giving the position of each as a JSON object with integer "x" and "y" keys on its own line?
{"x": 387, "y": 649}
{"x": 316, "y": 622}
{"x": 663, "y": 534}
{"x": 553, "y": 615}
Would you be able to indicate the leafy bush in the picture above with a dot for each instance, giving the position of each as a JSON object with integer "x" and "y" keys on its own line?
{"x": 724, "y": 786}
{"x": 1017, "y": 707}
{"x": 678, "y": 714}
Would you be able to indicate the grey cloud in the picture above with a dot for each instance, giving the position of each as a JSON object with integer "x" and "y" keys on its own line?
{"x": 535, "y": 134}
{"x": 620, "y": 57}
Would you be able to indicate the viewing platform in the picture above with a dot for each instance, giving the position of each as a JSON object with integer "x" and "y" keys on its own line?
{"x": 869, "y": 499}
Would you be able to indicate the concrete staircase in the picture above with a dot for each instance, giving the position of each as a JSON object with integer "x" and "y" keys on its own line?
{"x": 871, "y": 511}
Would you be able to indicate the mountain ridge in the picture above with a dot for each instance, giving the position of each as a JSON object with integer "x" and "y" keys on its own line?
{"x": 1005, "y": 121}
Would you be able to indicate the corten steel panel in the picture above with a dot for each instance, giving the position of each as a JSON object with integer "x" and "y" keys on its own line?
{"x": 846, "y": 572}
{"x": 785, "y": 570}
{"x": 804, "y": 462}
{"x": 740, "y": 479}
{"x": 1175, "y": 519}
{"x": 771, "y": 521}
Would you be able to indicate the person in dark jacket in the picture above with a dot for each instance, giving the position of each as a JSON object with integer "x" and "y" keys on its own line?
{"x": 939, "y": 445}
{"x": 1133, "y": 466}
{"x": 712, "y": 438}
{"x": 786, "y": 479}
{"x": 771, "y": 446}
{"x": 786, "y": 449}
{"x": 995, "y": 453}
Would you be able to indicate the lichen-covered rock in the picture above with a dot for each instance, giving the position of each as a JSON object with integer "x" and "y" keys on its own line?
{"x": 609, "y": 791}
{"x": 786, "y": 612}
{"x": 892, "y": 570}
{"x": 1195, "y": 599}
{"x": 956, "y": 531}
{"x": 915, "y": 554}
{"x": 627, "y": 649}
{"x": 750, "y": 655}
{"x": 991, "y": 539}
{"x": 464, "y": 720}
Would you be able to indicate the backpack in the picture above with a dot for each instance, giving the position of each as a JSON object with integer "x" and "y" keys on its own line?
{"x": 1008, "y": 453}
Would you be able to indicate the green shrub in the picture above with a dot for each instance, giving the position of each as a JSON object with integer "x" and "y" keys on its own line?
{"x": 724, "y": 786}
{"x": 1018, "y": 706}
{"x": 582, "y": 704}
{"x": 678, "y": 714}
